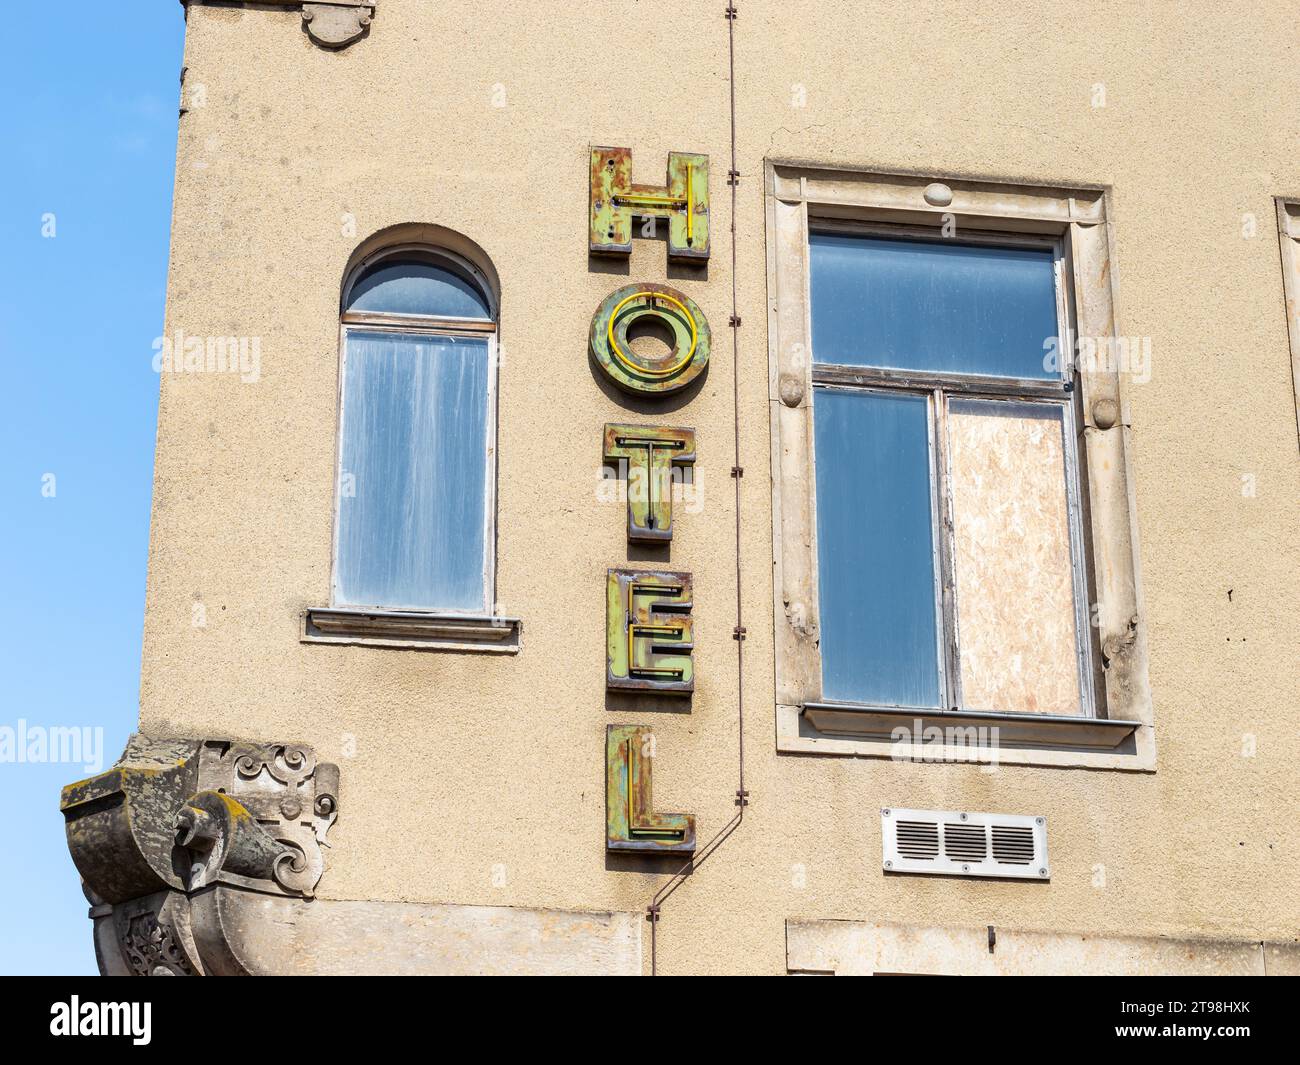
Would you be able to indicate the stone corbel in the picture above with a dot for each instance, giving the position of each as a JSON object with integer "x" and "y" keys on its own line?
{"x": 337, "y": 24}
{"x": 175, "y": 823}
{"x": 332, "y": 23}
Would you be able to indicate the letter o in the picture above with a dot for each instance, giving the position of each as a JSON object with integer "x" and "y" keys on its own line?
{"x": 675, "y": 311}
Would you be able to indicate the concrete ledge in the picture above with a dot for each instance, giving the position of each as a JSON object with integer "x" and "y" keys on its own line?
{"x": 411, "y": 630}
{"x": 860, "y": 948}
{"x": 796, "y": 734}
{"x": 1013, "y": 730}
{"x": 242, "y": 932}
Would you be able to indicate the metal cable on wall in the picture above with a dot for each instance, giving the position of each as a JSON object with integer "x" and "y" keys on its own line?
{"x": 737, "y": 472}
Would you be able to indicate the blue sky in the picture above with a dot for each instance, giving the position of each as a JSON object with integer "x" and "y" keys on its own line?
{"x": 89, "y": 134}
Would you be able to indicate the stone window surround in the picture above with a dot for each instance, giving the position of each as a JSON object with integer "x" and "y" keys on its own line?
{"x": 796, "y": 192}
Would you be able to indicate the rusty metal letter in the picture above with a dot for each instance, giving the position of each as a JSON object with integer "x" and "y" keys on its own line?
{"x": 616, "y": 201}
{"x": 649, "y": 632}
{"x": 650, "y": 452}
{"x": 631, "y": 823}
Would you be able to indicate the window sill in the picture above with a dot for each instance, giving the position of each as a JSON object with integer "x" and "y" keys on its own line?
{"x": 411, "y": 630}
{"x": 1021, "y": 739}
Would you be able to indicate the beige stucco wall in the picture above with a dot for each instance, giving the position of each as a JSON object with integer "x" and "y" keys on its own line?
{"x": 467, "y": 763}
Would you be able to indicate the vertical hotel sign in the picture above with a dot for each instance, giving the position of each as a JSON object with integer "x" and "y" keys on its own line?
{"x": 648, "y": 624}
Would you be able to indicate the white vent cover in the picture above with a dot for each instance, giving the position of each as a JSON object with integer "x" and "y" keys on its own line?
{"x": 957, "y": 843}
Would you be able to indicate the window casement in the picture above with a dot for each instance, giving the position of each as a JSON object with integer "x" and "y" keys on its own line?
{"x": 414, "y": 524}
{"x": 954, "y": 534}
{"x": 1288, "y": 230}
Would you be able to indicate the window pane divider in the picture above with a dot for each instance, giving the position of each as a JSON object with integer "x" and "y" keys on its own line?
{"x": 421, "y": 324}
{"x": 946, "y": 552}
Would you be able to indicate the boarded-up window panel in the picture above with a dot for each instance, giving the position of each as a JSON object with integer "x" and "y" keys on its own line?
{"x": 1015, "y": 590}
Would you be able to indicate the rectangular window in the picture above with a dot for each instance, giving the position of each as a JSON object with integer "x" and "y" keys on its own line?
{"x": 955, "y": 554}
{"x": 949, "y": 539}
{"x": 414, "y": 491}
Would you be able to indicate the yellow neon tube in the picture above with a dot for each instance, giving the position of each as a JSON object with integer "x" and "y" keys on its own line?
{"x": 636, "y": 367}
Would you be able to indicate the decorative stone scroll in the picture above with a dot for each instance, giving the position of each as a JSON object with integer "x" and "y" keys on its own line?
{"x": 175, "y": 821}
{"x": 283, "y": 791}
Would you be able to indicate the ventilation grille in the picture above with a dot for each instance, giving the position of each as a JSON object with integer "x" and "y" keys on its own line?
{"x": 964, "y": 844}
{"x": 918, "y": 839}
{"x": 1013, "y": 846}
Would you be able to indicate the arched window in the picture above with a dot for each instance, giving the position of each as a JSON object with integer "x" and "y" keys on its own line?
{"x": 414, "y": 526}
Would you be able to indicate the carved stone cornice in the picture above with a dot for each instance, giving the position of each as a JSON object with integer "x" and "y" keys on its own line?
{"x": 331, "y": 23}
{"x": 174, "y": 819}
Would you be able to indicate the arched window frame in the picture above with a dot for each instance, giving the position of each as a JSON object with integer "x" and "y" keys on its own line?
{"x": 436, "y": 325}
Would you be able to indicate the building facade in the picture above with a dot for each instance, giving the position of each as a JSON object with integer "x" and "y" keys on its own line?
{"x": 705, "y": 488}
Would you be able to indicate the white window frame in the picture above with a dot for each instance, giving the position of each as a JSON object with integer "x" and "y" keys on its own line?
{"x": 939, "y": 387}
{"x": 1117, "y": 730}
{"x": 397, "y": 625}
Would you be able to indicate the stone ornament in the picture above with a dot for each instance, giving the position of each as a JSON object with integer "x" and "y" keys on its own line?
{"x": 331, "y": 24}
{"x": 162, "y": 834}
{"x": 152, "y": 947}
{"x": 337, "y": 24}
{"x": 1105, "y": 413}
{"x": 284, "y": 803}
{"x": 937, "y": 194}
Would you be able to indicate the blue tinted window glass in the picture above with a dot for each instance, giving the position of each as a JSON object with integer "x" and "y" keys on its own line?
{"x": 414, "y": 286}
{"x": 875, "y": 557}
{"x": 413, "y": 473}
{"x": 926, "y": 305}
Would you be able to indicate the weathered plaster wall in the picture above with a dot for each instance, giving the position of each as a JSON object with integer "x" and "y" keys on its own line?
{"x": 473, "y": 769}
